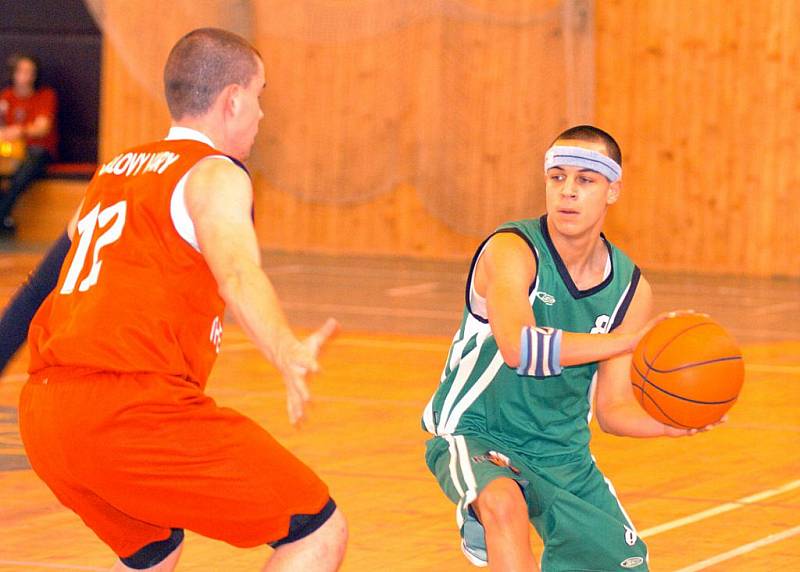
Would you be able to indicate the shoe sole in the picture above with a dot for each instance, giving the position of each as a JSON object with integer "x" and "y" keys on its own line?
{"x": 474, "y": 560}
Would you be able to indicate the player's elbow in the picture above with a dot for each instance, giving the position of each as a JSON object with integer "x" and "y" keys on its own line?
{"x": 614, "y": 418}
{"x": 604, "y": 413}
{"x": 606, "y": 425}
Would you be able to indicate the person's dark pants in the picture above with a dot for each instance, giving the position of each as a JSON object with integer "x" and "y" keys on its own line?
{"x": 31, "y": 168}
{"x": 17, "y": 316}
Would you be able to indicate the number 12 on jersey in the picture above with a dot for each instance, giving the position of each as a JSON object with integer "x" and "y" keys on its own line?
{"x": 94, "y": 219}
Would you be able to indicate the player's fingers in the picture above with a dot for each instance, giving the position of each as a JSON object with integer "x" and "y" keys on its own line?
{"x": 295, "y": 380}
{"x": 710, "y": 426}
{"x": 328, "y": 329}
{"x": 307, "y": 363}
{"x": 301, "y": 361}
{"x": 290, "y": 409}
{"x": 295, "y": 408}
{"x": 323, "y": 334}
{"x": 300, "y": 386}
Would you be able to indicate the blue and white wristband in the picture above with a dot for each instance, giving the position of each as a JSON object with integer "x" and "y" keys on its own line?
{"x": 540, "y": 351}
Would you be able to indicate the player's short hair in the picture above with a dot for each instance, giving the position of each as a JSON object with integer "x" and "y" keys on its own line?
{"x": 13, "y": 61}
{"x": 201, "y": 65}
{"x": 596, "y": 135}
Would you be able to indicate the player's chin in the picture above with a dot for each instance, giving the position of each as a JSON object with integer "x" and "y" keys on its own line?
{"x": 568, "y": 224}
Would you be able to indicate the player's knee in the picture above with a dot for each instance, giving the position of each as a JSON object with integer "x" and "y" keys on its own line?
{"x": 501, "y": 502}
{"x": 337, "y": 534}
{"x": 154, "y": 553}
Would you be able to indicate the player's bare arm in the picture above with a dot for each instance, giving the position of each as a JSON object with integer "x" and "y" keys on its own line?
{"x": 503, "y": 276}
{"x": 504, "y": 272}
{"x": 219, "y": 199}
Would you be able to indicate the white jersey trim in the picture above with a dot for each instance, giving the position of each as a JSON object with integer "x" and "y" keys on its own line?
{"x": 177, "y": 205}
{"x": 477, "y": 303}
{"x": 176, "y": 133}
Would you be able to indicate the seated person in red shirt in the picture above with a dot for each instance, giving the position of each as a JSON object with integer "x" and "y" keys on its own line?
{"x": 27, "y": 112}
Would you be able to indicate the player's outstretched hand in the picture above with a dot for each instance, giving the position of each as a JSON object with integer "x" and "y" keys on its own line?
{"x": 655, "y": 320}
{"x": 297, "y": 361}
{"x": 670, "y": 431}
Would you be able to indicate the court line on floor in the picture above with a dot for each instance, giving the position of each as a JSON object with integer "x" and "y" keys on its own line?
{"x": 744, "y": 549}
{"x": 412, "y": 290}
{"x": 56, "y": 565}
{"x": 723, "y": 508}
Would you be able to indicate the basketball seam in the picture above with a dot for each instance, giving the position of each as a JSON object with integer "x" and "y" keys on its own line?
{"x": 672, "y": 339}
{"x": 641, "y": 387}
{"x": 651, "y": 367}
{"x": 662, "y": 390}
{"x": 664, "y": 413}
{"x": 663, "y": 347}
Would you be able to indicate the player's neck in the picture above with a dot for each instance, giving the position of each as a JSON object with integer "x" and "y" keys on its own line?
{"x": 23, "y": 91}
{"x": 199, "y": 124}
{"x": 584, "y": 255}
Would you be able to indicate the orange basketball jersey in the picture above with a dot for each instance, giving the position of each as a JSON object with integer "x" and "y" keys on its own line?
{"x": 133, "y": 294}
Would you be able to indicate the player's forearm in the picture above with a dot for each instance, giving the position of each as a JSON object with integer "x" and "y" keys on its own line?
{"x": 252, "y": 300}
{"x": 577, "y": 349}
{"x": 627, "y": 419}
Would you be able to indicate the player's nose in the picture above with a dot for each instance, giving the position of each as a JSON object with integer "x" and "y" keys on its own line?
{"x": 568, "y": 189}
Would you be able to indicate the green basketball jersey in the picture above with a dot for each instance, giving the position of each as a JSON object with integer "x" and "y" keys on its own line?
{"x": 543, "y": 418}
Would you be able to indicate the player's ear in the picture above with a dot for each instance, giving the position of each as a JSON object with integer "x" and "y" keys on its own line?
{"x": 613, "y": 192}
{"x": 232, "y": 99}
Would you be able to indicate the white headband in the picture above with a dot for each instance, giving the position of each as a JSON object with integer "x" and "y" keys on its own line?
{"x": 585, "y": 158}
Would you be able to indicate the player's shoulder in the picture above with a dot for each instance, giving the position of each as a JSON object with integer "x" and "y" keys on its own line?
{"x": 511, "y": 248}
{"x": 219, "y": 165}
{"x": 519, "y": 233}
{"x": 217, "y": 172}
{"x": 527, "y": 226}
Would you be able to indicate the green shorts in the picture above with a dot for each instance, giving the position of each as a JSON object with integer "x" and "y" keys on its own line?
{"x": 572, "y": 505}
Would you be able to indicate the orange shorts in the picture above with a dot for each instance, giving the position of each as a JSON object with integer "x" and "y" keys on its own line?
{"x": 135, "y": 455}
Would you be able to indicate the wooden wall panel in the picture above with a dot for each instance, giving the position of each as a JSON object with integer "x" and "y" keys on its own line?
{"x": 129, "y": 114}
{"x": 702, "y": 95}
{"x": 704, "y": 98}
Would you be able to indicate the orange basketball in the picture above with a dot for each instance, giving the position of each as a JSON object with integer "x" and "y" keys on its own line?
{"x": 687, "y": 371}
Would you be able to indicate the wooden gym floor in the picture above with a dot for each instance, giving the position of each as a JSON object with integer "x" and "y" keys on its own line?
{"x": 728, "y": 500}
